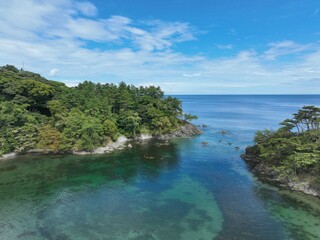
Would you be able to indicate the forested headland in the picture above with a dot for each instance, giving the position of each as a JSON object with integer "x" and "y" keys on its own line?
{"x": 36, "y": 113}
{"x": 290, "y": 156}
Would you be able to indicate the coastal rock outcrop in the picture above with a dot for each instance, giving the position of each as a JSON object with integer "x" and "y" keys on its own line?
{"x": 185, "y": 131}
{"x": 8, "y": 155}
{"x": 269, "y": 175}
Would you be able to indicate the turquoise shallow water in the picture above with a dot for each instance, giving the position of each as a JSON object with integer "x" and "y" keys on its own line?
{"x": 159, "y": 190}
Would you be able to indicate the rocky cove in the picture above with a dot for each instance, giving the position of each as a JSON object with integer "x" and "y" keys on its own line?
{"x": 184, "y": 131}
{"x": 160, "y": 189}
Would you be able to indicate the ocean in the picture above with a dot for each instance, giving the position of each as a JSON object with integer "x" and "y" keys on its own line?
{"x": 173, "y": 190}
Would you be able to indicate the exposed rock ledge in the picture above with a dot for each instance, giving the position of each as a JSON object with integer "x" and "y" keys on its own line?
{"x": 119, "y": 144}
{"x": 185, "y": 131}
{"x": 269, "y": 175}
{"x": 8, "y": 155}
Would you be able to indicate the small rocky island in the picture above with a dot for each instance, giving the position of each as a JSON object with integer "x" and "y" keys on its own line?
{"x": 290, "y": 156}
{"x": 43, "y": 116}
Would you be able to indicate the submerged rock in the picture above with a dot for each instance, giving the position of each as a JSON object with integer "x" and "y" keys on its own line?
{"x": 223, "y": 132}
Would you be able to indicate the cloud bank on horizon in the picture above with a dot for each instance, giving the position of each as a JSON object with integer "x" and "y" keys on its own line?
{"x": 201, "y": 50}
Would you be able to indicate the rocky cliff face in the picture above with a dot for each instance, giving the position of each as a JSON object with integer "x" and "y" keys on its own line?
{"x": 269, "y": 175}
{"x": 184, "y": 131}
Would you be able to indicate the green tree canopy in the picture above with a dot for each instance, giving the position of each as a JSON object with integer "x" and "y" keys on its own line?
{"x": 36, "y": 112}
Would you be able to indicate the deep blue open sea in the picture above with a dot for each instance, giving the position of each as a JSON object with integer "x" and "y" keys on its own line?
{"x": 163, "y": 190}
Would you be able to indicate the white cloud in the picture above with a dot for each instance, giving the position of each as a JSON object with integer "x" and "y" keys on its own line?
{"x": 53, "y": 72}
{"x": 162, "y": 35}
{"x": 52, "y": 35}
{"x": 226, "y": 46}
{"x": 282, "y": 48}
{"x": 67, "y": 20}
{"x": 86, "y": 8}
{"x": 192, "y": 75}
{"x": 72, "y": 83}
{"x": 88, "y": 29}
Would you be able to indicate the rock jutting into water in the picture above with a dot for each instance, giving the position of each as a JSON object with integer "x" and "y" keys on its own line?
{"x": 184, "y": 131}
{"x": 269, "y": 175}
{"x": 223, "y": 132}
{"x": 202, "y": 125}
{"x": 289, "y": 157}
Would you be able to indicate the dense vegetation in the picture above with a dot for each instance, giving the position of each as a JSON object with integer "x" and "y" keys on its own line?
{"x": 294, "y": 149}
{"x": 38, "y": 113}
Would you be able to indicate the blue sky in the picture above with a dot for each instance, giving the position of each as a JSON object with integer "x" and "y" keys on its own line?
{"x": 183, "y": 46}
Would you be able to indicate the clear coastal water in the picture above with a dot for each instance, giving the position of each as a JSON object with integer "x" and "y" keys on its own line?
{"x": 158, "y": 190}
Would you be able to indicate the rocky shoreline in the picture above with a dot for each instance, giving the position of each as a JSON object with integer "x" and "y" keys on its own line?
{"x": 185, "y": 131}
{"x": 269, "y": 175}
